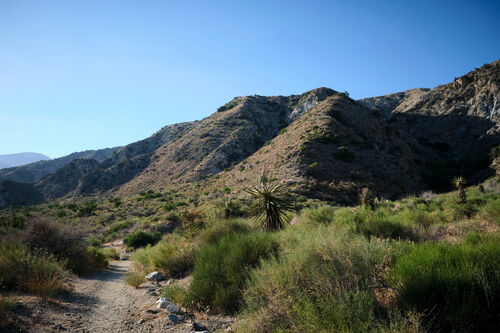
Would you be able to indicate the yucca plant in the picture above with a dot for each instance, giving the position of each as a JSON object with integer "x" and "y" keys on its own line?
{"x": 459, "y": 183}
{"x": 229, "y": 207}
{"x": 270, "y": 203}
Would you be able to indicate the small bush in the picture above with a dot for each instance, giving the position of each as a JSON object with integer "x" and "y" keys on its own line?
{"x": 88, "y": 209}
{"x": 135, "y": 277}
{"x": 221, "y": 270}
{"x": 6, "y": 304}
{"x": 140, "y": 239}
{"x": 39, "y": 273}
{"x": 173, "y": 255}
{"x": 457, "y": 286}
{"x": 110, "y": 253}
{"x": 321, "y": 283}
{"x": 175, "y": 293}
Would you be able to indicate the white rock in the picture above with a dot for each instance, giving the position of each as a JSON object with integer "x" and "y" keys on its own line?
{"x": 162, "y": 303}
{"x": 154, "y": 276}
{"x": 172, "y": 308}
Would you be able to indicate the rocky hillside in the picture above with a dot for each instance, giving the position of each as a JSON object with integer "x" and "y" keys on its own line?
{"x": 334, "y": 150}
{"x": 460, "y": 121}
{"x": 237, "y": 130}
{"x": 322, "y": 143}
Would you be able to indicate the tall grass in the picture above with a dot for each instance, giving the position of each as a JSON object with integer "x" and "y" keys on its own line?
{"x": 39, "y": 273}
{"x": 173, "y": 255}
{"x": 456, "y": 286}
{"x": 6, "y": 304}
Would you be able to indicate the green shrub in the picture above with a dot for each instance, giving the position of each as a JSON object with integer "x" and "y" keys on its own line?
{"x": 173, "y": 255}
{"x": 110, "y": 253}
{"x": 322, "y": 214}
{"x": 6, "y": 304}
{"x": 456, "y": 286}
{"x": 135, "y": 277}
{"x": 88, "y": 209}
{"x": 175, "y": 293}
{"x": 221, "y": 270}
{"x": 94, "y": 241}
{"x": 321, "y": 283}
{"x": 141, "y": 238}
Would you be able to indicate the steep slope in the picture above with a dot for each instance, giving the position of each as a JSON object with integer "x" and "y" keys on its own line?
{"x": 13, "y": 160}
{"x": 14, "y": 194}
{"x": 460, "y": 121}
{"x": 66, "y": 178}
{"x": 333, "y": 151}
{"x": 33, "y": 172}
{"x": 388, "y": 104}
{"x": 233, "y": 133}
{"x": 124, "y": 164}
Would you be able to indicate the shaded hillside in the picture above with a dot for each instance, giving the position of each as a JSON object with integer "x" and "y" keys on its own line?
{"x": 33, "y": 172}
{"x": 333, "y": 151}
{"x": 460, "y": 121}
{"x": 13, "y": 160}
{"x": 66, "y": 178}
{"x": 228, "y": 136}
{"x": 15, "y": 194}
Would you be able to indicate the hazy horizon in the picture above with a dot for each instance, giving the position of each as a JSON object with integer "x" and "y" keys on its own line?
{"x": 92, "y": 75}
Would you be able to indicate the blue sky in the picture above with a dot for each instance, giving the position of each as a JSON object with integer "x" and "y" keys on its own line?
{"x": 77, "y": 75}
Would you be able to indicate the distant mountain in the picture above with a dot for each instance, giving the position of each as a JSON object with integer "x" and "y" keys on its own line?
{"x": 322, "y": 144}
{"x": 13, "y": 160}
{"x": 33, "y": 172}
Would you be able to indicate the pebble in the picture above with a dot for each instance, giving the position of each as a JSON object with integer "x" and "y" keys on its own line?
{"x": 198, "y": 327}
{"x": 140, "y": 321}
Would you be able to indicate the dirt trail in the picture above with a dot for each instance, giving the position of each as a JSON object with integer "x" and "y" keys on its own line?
{"x": 112, "y": 299}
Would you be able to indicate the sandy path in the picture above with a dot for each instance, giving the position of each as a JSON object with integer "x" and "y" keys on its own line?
{"x": 103, "y": 303}
{"x": 112, "y": 299}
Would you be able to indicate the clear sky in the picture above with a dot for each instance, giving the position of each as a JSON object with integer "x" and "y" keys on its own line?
{"x": 77, "y": 75}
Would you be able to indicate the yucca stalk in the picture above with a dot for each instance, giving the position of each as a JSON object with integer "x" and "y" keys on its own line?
{"x": 365, "y": 197}
{"x": 270, "y": 204}
{"x": 459, "y": 183}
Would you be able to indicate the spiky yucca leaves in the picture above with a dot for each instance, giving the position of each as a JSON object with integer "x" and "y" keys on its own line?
{"x": 459, "y": 183}
{"x": 229, "y": 207}
{"x": 270, "y": 204}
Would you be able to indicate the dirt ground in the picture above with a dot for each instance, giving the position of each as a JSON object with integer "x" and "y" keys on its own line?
{"x": 103, "y": 302}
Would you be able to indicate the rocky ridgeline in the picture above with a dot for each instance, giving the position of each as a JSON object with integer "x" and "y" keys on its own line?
{"x": 321, "y": 142}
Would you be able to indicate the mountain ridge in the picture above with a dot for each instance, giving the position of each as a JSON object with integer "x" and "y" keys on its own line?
{"x": 325, "y": 144}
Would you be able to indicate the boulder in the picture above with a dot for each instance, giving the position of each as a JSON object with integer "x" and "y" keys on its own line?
{"x": 154, "y": 276}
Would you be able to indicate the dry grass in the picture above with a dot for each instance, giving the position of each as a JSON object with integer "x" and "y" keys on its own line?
{"x": 135, "y": 277}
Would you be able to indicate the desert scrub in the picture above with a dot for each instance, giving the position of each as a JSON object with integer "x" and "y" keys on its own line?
{"x": 221, "y": 270}
{"x": 6, "y": 304}
{"x": 141, "y": 238}
{"x": 38, "y": 273}
{"x": 136, "y": 276}
{"x": 175, "y": 293}
{"x": 173, "y": 255}
{"x": 457, "y": 286}
{"x": 321, "y": 283}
